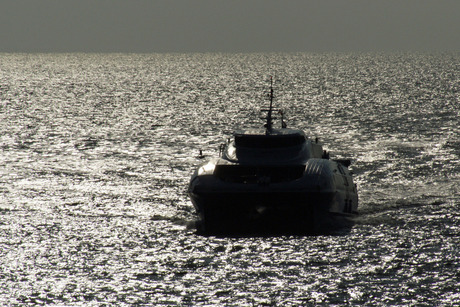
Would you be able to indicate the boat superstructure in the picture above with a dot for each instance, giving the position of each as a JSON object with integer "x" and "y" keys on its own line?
{"x": 272, "y": 179}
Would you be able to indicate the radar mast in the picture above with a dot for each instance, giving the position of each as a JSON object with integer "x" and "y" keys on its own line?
{"x": 269, "y": 123}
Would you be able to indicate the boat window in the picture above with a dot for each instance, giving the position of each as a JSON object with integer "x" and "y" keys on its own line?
{"x": 272, "y": 141}
{"x": 259, "y": 173}
{"x": 339, "y": 166}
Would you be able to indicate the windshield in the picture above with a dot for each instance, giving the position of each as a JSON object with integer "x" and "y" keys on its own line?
{"x": 271, "y": 141}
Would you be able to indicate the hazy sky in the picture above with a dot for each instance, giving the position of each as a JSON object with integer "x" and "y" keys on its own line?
{"x": 228, "y": 26}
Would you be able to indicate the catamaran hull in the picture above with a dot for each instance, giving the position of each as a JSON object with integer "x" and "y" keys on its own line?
{"x": 314, "y": 197}
{"x": 267, "y": 212}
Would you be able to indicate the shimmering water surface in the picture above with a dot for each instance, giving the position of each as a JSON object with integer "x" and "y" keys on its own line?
{"x": 97, "y": 151}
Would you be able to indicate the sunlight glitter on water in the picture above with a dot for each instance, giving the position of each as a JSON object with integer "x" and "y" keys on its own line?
{"x": 97, "y": 152}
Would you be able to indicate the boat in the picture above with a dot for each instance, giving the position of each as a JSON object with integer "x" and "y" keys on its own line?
{"x": 272, "y": 179}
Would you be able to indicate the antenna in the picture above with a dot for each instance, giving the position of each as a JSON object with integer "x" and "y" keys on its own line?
{"x": 269, "y": 118}
{"x": 269, "y": 115}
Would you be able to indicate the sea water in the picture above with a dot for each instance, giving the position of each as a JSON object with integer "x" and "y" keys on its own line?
{"x": 96, "y": 152}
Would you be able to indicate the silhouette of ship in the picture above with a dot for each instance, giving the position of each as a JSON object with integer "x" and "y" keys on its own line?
{"x": 272, "y": 180}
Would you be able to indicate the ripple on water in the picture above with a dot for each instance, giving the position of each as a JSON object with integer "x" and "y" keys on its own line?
{"x": 97, "y": 151}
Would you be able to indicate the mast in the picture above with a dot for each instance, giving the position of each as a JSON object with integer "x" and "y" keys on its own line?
{"x": 269, "y": 115}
